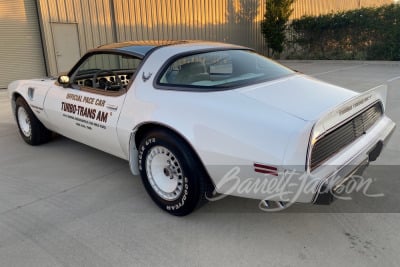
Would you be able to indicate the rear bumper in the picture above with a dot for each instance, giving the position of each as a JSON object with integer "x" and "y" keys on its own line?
{"x": 332, "y": 186}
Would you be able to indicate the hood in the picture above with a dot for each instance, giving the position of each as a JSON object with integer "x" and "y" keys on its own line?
{"x": 299, "y": 96}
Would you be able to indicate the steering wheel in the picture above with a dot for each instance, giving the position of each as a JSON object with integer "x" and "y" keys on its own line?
{"x": 115, "y": 85}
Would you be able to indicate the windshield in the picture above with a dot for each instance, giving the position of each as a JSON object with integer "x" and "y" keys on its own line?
{"x": 221, "y": 69}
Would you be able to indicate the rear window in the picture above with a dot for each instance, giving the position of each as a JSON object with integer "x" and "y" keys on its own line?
{"x": 220, "y": 70}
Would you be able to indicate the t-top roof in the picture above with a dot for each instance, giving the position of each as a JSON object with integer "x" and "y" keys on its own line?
{"x": 139, "y": 47}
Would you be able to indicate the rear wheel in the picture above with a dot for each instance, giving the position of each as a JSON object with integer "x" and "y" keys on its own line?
{"x": 172, "y": 173}
{"x": 31, "y": 129}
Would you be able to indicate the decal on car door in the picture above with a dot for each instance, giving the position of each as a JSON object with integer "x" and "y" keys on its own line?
{"x": 80, "y": 108}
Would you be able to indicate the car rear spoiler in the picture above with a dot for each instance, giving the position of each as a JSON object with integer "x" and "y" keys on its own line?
{"x": 349, "y": 108}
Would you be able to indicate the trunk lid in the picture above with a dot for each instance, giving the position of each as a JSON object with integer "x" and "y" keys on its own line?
{"x": 299, "y": 95}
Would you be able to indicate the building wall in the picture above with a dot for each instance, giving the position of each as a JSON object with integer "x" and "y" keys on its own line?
{"x": 236, "y": 21}
{"x": 100, "y": 22}
{"x": 21, "y": 54}
{"x": 106, "y": 21}
{"x": 93, "y": 19}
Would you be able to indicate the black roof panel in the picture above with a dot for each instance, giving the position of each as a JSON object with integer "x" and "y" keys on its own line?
{"x": 138, "y": 47}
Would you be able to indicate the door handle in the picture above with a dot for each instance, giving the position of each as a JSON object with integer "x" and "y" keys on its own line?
{"x": 113, "y": 107}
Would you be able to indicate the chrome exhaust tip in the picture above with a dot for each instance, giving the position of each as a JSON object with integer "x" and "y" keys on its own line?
{"x": 272, "y": 205}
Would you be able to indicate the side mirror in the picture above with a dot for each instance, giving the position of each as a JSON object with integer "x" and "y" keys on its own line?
{"x": 63, "y": 80}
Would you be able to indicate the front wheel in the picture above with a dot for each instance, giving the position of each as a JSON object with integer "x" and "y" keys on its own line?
{"x": 31, "y": 129}
{"x": 171, "y": 173}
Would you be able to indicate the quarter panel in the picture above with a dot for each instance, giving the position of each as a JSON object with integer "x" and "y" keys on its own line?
{"x": 225, "y": 129}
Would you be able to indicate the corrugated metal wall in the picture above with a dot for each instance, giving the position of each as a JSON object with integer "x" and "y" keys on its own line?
{"x": 21, "y": 54}
{"x": 106, "y": 21}
{"x": 235, "y": 21}
{"x": 93, "y": 17}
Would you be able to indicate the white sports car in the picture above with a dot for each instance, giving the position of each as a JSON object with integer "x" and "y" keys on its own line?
{"x": 197, "y": 117}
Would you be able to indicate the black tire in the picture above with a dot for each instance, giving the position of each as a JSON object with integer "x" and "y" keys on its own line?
{"x": 31, "y": 129}
{"x": 188, "y": 170}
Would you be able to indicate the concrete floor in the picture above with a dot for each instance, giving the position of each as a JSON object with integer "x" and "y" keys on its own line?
{"x": 66, "y": 204}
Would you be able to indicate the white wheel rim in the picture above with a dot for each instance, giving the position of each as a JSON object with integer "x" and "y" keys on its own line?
{"x": 24, "y": 122}
{"x": 164, "y": 173}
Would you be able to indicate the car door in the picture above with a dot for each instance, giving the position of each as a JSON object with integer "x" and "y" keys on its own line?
{"x": 88, "y": 109}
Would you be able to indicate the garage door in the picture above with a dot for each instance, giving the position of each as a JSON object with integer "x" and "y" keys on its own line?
{"x": 21, "y": 55}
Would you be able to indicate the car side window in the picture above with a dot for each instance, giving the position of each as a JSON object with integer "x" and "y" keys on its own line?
{"x": 198, "y": 69}
{"x": 105, "y": 72}
{"x": 216, "y": 70}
